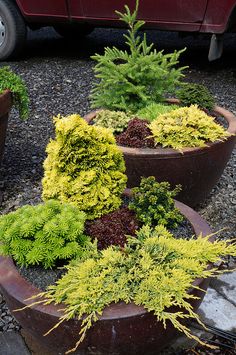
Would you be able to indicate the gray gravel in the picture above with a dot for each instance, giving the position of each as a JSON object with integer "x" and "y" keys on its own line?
{"x": 59, "y": 75}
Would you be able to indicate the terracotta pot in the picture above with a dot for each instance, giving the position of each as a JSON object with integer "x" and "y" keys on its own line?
{"x": 5, "y": 107}
{"x": 122, "y": 329}
{"x": 196, "y": 169}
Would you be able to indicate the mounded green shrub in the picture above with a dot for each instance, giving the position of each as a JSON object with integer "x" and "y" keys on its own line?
{"x": 153, "y": 270}
{"x": 117, "y": 121}
{"x": 186, "y": 127}
{"x": 195, "y": 94}
{"x": 84, "y": 166}
{"x": 13, "y": 82}
{"x": 43, "y": 234}
{"x": 152, "y": 111}
{"x": 131, "y": 79}
{"x": 153, "y": 203}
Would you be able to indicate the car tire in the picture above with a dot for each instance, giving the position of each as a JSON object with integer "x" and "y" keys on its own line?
{"x": 73, "y": 31}
{"x": 13, "y": 30}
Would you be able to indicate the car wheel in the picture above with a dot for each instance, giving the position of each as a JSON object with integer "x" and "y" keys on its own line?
{"x": 12, "y": 30}
{"x": 74, "y": 30}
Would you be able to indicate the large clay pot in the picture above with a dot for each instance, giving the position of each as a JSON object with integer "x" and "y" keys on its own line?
{"x": 122, "y": 329}
{"x": 5, "y": 107}
{"x": 197, "y": 170}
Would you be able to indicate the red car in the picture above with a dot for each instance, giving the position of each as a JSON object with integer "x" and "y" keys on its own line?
{"x": 79, "y": 17}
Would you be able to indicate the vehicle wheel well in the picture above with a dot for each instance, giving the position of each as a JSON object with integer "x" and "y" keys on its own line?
{"x": 231, "y": 27}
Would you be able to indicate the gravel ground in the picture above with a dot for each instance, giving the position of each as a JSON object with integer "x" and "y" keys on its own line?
{"x": 59, "y": 76}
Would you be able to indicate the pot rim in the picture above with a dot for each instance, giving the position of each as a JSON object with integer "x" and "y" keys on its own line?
{"x": 16, "y": 286}
{"x": 5, "y": 102}
{"x": 170, "y": 152}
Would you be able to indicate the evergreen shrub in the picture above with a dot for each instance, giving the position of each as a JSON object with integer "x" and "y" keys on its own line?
{"x": 137, "y": 135}
{"x": 186, "y": 127}
{"x": 152, "y": 111}
{"x": 195, "y": 94}
{"x": 13, "y": 82}
{"x": 43, "y": 234}
{"x": 117, "y": 121}
{"x": 84, "y": 166}
{"x": 153, "y": 203}
{"x": 153, "y": 270}
{"x": 130, "y": 80}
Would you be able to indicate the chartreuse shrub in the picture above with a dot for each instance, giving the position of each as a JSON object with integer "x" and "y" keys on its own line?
{"x": 117, "y": 121}
{"x": 186, "y": 127}
{"x": 84, "y": 166}
{"x": 43, "y": 234}
{"x": 153, "y": 203}
{"x": 153, "y": 270}
{"x": 13, "y": 82}
{"x": 198, "y": 94}
{"x": 131, "y": 79}
{"x": 152, "y": 111}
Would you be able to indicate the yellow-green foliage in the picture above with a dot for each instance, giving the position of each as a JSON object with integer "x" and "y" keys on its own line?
{"x": 186, "y": 127}
{"x": 154, "y": 270}
{"x": 117, "y": 121}
{"x": 43, "y": 234}
{"x": 84, "y": 166}
{"x": 152, "y": 111}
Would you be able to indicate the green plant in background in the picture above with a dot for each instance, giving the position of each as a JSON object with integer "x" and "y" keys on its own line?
{"x": 130, "y": 80}
{"x": 117, "y": 121}
{"x": 198, "y": 94}
{"x": 84, "y": 166}
{"x": 153, "y": 203}
{"x": 43, "y": 234}
{"x": 186, "y": 127}
{"x": 152, "y": 111}
{"x": 11, "y": 81}
{"x": 154, "y": 270}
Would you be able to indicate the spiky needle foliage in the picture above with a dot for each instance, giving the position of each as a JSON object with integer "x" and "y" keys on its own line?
{"x": 153, "y": 203}
{"x": 191, "y": 94}
{"x": 186, "y": 127}
{"x": 13, "y": 82}
{"x": 43, "y": 234}
{"x": 152, "y": 111}
{"x": 84, "y": 166}
{"x": 130, "y": 80}
{"x": 117, "y": 121}
{"x": 154, "y": 270}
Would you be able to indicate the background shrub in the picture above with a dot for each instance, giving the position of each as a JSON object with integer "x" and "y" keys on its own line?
{"x": 43, "y": 234}
{"x": 191, "y": 94}
{"x": 84, "y": 166}
{"x": 13, "y": 82}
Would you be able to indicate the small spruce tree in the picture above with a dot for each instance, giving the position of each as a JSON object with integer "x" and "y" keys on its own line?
{"x": 130, "y": 80}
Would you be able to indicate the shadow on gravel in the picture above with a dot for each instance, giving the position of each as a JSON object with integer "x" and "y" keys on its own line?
{"x": 45, "y": 43}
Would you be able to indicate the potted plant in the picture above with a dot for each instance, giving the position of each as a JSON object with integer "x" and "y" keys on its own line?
{"x": 13, "y": 92}
{"x": 137, "y": 83}
{"x": 117, "y": 293}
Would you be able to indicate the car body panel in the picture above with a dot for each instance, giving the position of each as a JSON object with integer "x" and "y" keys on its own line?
{"x": 210, "y": 16}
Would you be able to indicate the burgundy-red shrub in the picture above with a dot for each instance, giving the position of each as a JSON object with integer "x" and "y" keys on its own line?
{"x": 112, "y": 228}
{"x": 136, "y": 135}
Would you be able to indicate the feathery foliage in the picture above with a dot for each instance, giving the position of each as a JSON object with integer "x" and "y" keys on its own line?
{"x": 11, "y": 81}
{"x": 153, "y": 203}
{"x": 84, "y": 166}
{"x": 152, "y": 111}
{"x": 191, "y": 94}
{"x": 130, "y": 80}
{"x": 43, "y": 234}
{"x": 186, "y": 127}
{"x": 117, "y": 121}
{"x": 153, "y": 270}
